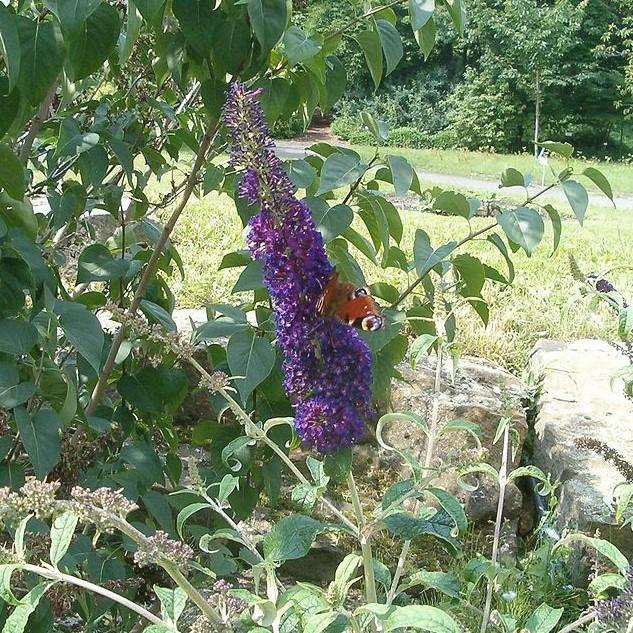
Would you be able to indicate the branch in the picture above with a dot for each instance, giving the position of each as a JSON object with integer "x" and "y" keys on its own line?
{"x": 583, "y": 619}
{"x": 359, "y": 18}
{"x": 459, "y": 244}
{"x": 37, "y": 122}
{"x": 58, "y": 576}
{"x": 150, "y": 269}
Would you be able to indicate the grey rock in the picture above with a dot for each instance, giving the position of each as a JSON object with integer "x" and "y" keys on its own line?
{"x": 479, "y": 392}
{"x": 577, "y": 398}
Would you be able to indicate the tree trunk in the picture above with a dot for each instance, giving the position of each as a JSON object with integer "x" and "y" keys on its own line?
{"x": 537, "y": 113}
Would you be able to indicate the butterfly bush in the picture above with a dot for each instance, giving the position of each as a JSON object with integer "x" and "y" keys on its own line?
{"x": 327, "y": 365}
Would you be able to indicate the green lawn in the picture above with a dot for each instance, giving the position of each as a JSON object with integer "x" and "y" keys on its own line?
{"x": 488, "y": 166}
{"x": 543, "y": 302}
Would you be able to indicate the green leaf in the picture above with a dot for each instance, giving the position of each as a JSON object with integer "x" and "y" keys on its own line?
{"x": 457, "y": 11}
{"x": 6, "y": 571}
{"x": 72, "y": 13}
{"x": 83, "y": 331}
{"x": 370, "y": 44}
{"x": 251, "y": 278}
{"x": 451, "y": 506}
{"x": 17, "y": 337}
{"x": 603, "y": 582}
{"x": 423, "y": 254}
{"x": 187, "y": 512}
{"x": 197, "y": 20}
{"x": 291, "y": 538}
{"x": 62, "y": 532}
{"x": 219, "y": 328}
{"x": 425, "y": 38}
{"x": 12, "y": 391}
{"x": 401, "y": 173}
{"x": 158, "y": 314}
{"x": 40, "y": 437}
{"x": 453, "y": 203}
{"x": 42, "y": 58}
{"x": 97, "y": 264}
{"x": 11, "y": 172}
{"x": 438, "y": 580}
{"x": 512, "y": 178}
{"x": 154, "y": 389}
{"x": 416, "y": 617}
{"x": 471, "y": 272}
{"x": 544, "y": 619}
{"x": 502, "y": 248}
{"x": 391, "y": 44}
{"x": 407, "y": 527}
{"x": 231, "y": 44}
{"x": 562, "y": 149}
{"x": 268, "y": 19}
{"x": 577, "y": 197}
{"x": 524, "y": 226}
{"x": 420, "y": 12}
{"x": 9, "y": 45}
{"x": 607, "y": 549}
{"x": 92, "y": 43}
{"x": 250, "y": 357}
{"x": 298, "y": 46}
{"x": 420, "y": 347}
{"x": 557, "y": 225}
{"x": 142, "y": 456}
{"x": 172, "y": 602}
{"x": 340, "y": 169}
{"x": 600, "y": 180}
{"x": 330, "y": 221}
{"x": 338, "y": 465}
{"x": 151, "y": 10}
{"x": 379, "y": 129}
{"x": 17, "y": 621}
{"x": 133, "y": 27}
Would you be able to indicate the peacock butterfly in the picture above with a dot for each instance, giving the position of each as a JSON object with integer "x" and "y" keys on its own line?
{"x": 352, "y": 305}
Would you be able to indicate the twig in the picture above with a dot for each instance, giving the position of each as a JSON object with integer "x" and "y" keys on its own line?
{"x": 418, "y": 281}
{"x": 58, "y": 576}
{"x": 139, "y": 295}
{"x": 583, "y": 619}
{"x": 37, "y": 122}
{"x": 503, "y": 481}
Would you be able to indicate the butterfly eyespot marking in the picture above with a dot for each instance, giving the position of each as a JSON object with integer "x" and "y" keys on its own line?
{"x": 360, "y": 292}
{"x": 372, "y": 323}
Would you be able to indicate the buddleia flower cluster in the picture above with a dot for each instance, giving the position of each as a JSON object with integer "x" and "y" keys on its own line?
{"x": 327, "y": 365}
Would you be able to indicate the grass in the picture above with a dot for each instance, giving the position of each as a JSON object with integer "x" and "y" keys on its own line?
{"x": 543, "y": 302}
{"x": 489, "y": 166}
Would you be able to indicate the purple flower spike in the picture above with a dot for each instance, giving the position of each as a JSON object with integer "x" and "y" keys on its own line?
{"x": 328, "y": 423}
{"x": 327, "y": 365}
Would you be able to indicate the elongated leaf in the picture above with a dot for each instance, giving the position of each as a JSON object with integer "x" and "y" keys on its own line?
{"x": 291, "y": 537}
{"x": 557, "y": 225}
{"x": 600, "y": 180}
{"x": 524, "y": 226}
{"x": 425, "y": 37}
{"x": 331, "y": 221}
{"x": 414, "y": 617}
{"x": 83, "y": 330}
{"x": 62, "y": 532}
{"x": 9, "y": 45}
{"x": 391, "y": 44}
{"x": 402, "y": 174}
{"x": 93, "y": 42}
{"x": 11, "y": 173}
{"x": 197, "y": 20}
{"x": 378, "y": 128}
{"x": 42, "y": 57}
{"x": 13, "y": 392}
{"x": 503, "y": 249}
{"x": 268, "y": 19}
{"x": 250, "y": 357}
{"x": 420, "y": 12}
{"x": 577, "y": 197}
{"x": 544, "y": 619}
{"x": 407, "y": 527}
{"x": 562, "y": 149}
{"x": 40, "y": 437}
{"x": 438, "y": 580}
{"x": 512, "y": 178}
{"x": 172, "y": 602}
{"x": 187, "y": 512}
{"x": 370, "y": 44}
{"x": 424, "y": 255}
{"x": 17, "y": 621}
{"x": 457, "y": 11}
{"x": 607, "y": 549}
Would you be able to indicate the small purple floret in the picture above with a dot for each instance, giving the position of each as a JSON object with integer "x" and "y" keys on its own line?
{"x": 327, "y": 365}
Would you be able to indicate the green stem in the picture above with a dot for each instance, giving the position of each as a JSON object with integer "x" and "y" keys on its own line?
{"x": 365, "y": 543}
{"x": 51, "y": 573}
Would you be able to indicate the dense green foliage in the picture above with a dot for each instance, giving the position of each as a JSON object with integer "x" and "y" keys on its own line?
{"x": 101, "y": 99}
{"x": 574, "y": 58}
